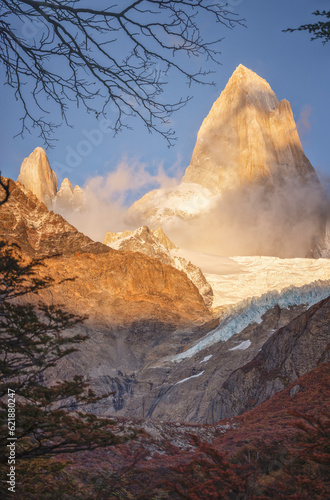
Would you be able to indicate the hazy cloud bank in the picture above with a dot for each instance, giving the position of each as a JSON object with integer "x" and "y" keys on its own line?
{"x": 107, "y": 197}
{"x": 254, "y": 220}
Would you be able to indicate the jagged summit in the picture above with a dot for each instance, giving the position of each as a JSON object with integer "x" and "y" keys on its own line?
{"x": 66, "y": 184}
{"x": 245, "y": 81}
{"x": 37, "y": 176}
{"x": 248, "y": 136}
{"x": 249, "y": 188}
{"x": 68, "y": 199}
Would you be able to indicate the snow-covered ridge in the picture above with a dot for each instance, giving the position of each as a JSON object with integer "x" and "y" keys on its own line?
{"x": 251, "y": 310}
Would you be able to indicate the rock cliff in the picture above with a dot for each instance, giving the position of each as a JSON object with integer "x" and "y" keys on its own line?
{"x": 249, "y": 188}
{"x": 37, "y": 176}
{"x": 248, "y": 136}
{"x": 156, "y": 244}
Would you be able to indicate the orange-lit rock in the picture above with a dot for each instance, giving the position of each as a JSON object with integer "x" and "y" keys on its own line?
{"x": 248, "y": 136}
{"x": 37, "y": 176}
{"x": 109, "y": 286}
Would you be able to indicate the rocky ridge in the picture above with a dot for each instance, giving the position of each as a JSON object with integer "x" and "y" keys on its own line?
{"x": 110, "y": 285}
{"x": 156, "y": 244}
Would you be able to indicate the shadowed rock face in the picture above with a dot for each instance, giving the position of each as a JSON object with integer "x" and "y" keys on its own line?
{"x": 248, "y": 136}
{"x": 291, "y": 352}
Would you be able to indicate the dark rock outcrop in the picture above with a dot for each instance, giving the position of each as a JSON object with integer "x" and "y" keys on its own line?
{"x": 291, "y": 352}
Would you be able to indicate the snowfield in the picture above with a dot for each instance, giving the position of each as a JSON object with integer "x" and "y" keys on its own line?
{"x": 237, "y": 278}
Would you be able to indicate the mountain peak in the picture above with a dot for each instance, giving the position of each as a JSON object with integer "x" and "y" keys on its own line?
{"x": 245, "y": 77}
{"x": 243, "y": 70}
{"x": 37, "y": 176}
{"x": 66, "y": 184}
{"x": 248, "y": 136}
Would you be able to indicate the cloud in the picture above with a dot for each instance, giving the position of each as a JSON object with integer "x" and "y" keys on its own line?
{"x": 303, "y": 123}
{"x": 107, "y": 197}
{"x": 281, "y": 221}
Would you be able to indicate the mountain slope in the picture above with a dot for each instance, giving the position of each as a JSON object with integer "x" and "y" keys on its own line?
{"x": 278, "y": 450}
{"x": 291, "y": 352}
{"x": 110, "y": 285}
{"x": 156, "y": 244}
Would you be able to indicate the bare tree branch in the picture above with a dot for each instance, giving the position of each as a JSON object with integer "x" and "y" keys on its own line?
{"x": 117, "y": 59}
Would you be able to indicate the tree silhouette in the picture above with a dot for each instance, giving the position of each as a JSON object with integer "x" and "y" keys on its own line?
{"x": 70, "y": 51}
{"x": 319, "y": 30}
{"x": 4, "y": 190}
{"x": 33, "y": 338}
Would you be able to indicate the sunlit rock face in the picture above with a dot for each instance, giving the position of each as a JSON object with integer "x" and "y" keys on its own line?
{"x": 247, "y": 137}
{"x": 249, "y": 188}
{"x": 69, "y": 198}
{"x": 108, "y": 286}
{"x": 37, "y": 176}
{"x": 157, "y": 245}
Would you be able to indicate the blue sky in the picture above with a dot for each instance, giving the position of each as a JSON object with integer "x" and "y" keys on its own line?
{"x": 296, "y": 68}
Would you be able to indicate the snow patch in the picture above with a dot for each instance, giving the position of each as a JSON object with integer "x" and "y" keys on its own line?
{"x": 192, "y": 376}
{"x": 243, "y": 345}
{"x": 206, "y": 358}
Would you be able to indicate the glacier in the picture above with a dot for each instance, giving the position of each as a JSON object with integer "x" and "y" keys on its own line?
{"x": 251, "y": 310}
{"x": 233, "y": 279}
